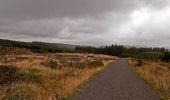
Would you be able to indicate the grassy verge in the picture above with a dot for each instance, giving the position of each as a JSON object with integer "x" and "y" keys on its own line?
{"x": 156, "y": 74}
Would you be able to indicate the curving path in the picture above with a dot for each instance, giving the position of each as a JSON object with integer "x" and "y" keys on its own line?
{"x": 117, "y": 82}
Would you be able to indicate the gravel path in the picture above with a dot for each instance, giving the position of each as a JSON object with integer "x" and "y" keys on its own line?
{"x": 117, "y": 82}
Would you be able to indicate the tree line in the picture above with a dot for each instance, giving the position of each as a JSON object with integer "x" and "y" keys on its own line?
{"x": 114, "y": 50}
{"x": 134, "y": 52}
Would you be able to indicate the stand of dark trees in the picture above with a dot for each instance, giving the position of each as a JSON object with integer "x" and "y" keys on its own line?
{"x": 134, "y": 52}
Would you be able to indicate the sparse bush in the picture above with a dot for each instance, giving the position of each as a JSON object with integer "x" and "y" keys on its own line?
{"x": 95, "y": 63}
{"x": 8, "y": 74}
{"x": 76, "y": 64}
{"x": 84, "y": 64}
{"x": 139, "y": 62}
{"x": 19, "y": 93}
{"x": 74, "y": 58}
{"x": 4, "y": 59}
{"x": 52, "y": 64}
{"x": 20, "y": 58}
{"x": 166, "y": 57}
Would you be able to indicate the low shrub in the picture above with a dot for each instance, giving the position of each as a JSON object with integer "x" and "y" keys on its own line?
{"x": 51, "y": 64}
{"x": 8, "y": 74}
{"x": 166, "y": 57}
{"x": 95, "y": 63}
{"x": 139, "y": 62}
{"x": 19, "y": 93}
{"x": 76, "y": 64}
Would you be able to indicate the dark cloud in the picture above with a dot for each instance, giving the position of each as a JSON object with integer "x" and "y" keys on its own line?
{"x": 92, "y": 22}
{"x": 50, "y": 8}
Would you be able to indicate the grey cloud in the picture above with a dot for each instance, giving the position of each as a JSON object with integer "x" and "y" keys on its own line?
{"x": 64, "y": 27}
{"x": 48, "y": 8}
{"x": 158, "y": 4}
{"x": 89, "y": 22}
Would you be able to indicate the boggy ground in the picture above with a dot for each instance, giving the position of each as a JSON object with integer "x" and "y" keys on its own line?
{"x": 47, "y": 76}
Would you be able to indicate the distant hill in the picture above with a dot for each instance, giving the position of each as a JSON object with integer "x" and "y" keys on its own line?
{"x": 38, "y": 46}
{"x": 54, "y": 45}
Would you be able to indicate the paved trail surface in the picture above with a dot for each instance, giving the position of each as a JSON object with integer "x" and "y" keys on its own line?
{"x": 117, "y": 82}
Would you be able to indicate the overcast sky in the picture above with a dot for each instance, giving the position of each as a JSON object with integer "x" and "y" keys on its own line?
{"x": 87, "y": 22}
